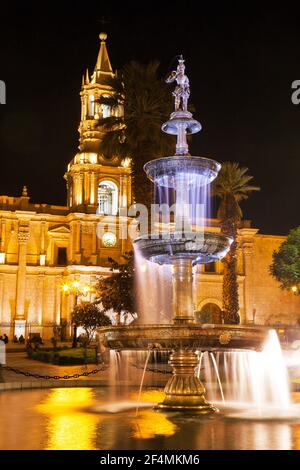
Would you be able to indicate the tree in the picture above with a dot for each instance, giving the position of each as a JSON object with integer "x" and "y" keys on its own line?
{"x": 147, "y": 103}
{"x": 116, "y": 292}
{"x": 285, "y": 267}
{"x": 89, "y": 317}
{"x": 231, "y": 187}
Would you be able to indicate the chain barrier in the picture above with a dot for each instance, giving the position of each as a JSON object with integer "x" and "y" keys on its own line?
{"x": 153, "y": 369}
{"x": 54, "y": 377}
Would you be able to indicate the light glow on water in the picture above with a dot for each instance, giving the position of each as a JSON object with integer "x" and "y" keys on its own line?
{"x": 59, "y": 419}
{"x": 67, "y": 425}
{"x": 150, "y": 424}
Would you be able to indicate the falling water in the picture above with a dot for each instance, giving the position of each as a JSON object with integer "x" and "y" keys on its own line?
{"x": 154, "y": 282}
{"x": 142, "y": 380}
{"x": 119, "y": 368}
{"x": 125, "y": 367}
{"x": 249, "y": 377}
{"x": 191, "y": 193}
{"x": 114, "y": 367}
{"x": 218, "y": 376}
{"x": 246, "y": 378}
{"x": 154, "y": 291}
{"x": 198, "y": 372}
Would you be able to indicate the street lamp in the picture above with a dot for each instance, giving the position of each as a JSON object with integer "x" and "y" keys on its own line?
{"x": 294, "y": 289}
{"x": 77, "y": 289}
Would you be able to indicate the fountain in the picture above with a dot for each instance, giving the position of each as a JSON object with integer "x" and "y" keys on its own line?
{"x": 182, "y": 247}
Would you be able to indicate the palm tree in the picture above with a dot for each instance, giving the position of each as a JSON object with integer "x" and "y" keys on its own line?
{"x": 231, "y": 187}
{"x": 147, "y": 103}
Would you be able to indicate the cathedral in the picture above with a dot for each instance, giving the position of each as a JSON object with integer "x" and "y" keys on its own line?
{"x": 51, "y": 256}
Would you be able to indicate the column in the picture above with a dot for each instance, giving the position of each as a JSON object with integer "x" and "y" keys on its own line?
{"x": 81, "y": 188}
{"x": 77, "y": 241}
{"x": 93, "y": 190}
{"x": 247, "y": 246}
{"x": 40, "y": 298}
{"x": 95, "y": 186}
{"x": 94, "y": 243}
{"x": 3, "y": 235}
{"x": 129, "y": 191}
{"x": 121, "y": 192}
{"x": 86, "y": 185}
{"x": 43, "y": 237}
{"x": 23, "y": 236}
{"x": 78, "y": 236}
{"x": 122, "y": 226}
{"x": 71, "y": 192}
{"x": 57, "y": 307}
{"x": 82, "y": 107}
{"x": 42, "y": 259}
{"x": 182, "y": 277}
{"x": 78, "y": 189}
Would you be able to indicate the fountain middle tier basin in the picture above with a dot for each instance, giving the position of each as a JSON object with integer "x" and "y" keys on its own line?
{"x": 201, "y": 247}
{"x": 195, "y": 336}
{"x": 168, "y": 171}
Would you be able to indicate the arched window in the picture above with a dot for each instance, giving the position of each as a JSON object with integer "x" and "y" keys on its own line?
{"x": 105, "y": 108}
{"x": 209, "y": 313}
{"x": 105, "y": 111}
{"x": 91, "y": 110}
{"x": 107, "y": 198}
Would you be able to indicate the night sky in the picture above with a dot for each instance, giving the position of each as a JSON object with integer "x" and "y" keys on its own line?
{"x": 240, "y": 62}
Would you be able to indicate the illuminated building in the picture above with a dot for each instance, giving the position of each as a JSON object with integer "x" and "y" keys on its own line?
{"x": 45, "y": 247}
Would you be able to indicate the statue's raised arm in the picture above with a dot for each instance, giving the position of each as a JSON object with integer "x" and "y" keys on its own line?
{"x": 182, "y": 90}
{"x": 171, "y": 77}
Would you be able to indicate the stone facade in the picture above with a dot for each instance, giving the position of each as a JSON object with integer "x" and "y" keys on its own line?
{"x": 261, "y": 299}
{"x": 44, "y": 248}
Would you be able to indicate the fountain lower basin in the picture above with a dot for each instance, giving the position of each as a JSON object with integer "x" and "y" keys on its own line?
{"x": 192, "y": 336}
{"x": 201, "y": 247}
{"x": 184, "y": 390}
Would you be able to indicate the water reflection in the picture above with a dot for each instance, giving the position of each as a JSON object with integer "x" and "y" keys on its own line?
{"x": 62, "y": 419}
{"x": 67, "y": 425}
{"x": 296, "y": 436}
{"x": 149, "y": 424}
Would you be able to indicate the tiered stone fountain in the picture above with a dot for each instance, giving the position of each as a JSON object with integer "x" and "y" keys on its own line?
{"x": 182, "y": 248}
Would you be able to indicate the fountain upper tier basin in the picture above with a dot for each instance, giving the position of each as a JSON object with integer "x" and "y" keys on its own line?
{"x": 201, "y": 247}
{"x": 167, "y": 171}
{"x": 192, "y": 336}
{"x": 181, "y": 119}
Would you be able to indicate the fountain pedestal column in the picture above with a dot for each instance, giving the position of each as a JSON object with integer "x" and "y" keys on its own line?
{"x": 184, "y": 391}
{"x": 182, "y": 277}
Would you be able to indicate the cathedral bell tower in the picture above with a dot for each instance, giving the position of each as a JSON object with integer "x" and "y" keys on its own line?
{"x": 95, "y": 183}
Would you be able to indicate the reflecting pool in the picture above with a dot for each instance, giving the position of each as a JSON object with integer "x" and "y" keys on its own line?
{"x": 97, "y": 419}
